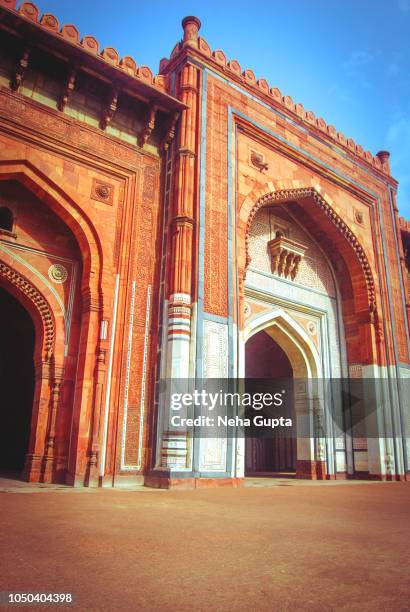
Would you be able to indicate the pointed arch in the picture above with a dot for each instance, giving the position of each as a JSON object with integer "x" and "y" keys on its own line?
{"x": 25, "y": 291}
{"x": 291, "y": 337}
{"x": 51, "y": 435}
{"x": 48, "y": 362}
{"x": 352, "y": 250}
{"x": 316, "y": 213}
{"x": 56, "y": 196}
{"x": 306, "y": 365}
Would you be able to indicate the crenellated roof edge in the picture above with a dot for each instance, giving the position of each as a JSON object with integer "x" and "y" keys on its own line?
{"x": 261, "y": 87}
{"x": 69, "y": 32}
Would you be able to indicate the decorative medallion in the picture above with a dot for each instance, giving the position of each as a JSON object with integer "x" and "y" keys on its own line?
{"x": 103, "y": 192}
{"x": 311, "y": 327}
{"x": 246, "y": 310}
{"x": 358, "y": 215}
{"x": 58, "y": 273}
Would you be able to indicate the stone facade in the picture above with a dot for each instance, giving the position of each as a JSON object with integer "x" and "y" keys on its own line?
{"x": 136, "y": 213}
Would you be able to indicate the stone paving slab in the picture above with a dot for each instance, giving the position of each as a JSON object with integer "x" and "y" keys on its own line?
{"x": 12, "y": 485}
{"x": 254, "y": 549}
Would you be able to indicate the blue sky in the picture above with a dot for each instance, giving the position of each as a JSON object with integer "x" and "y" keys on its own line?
{"x": 348, "y": 61}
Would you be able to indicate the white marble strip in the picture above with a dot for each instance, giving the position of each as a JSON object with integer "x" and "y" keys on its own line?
{"x": 109, "y": 375}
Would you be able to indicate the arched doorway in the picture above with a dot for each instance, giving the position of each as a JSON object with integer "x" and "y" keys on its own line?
{"x": 276, "y": 454}
{"x": 296, "y": 362}
{"x": 16, "y": 382}
{"x": 52, "y": 262}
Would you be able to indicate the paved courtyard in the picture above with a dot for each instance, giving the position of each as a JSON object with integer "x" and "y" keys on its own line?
{"x": 290, "y": 546}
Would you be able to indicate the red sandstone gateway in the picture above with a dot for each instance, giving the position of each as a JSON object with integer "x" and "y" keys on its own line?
{"x": 190, "y": 224}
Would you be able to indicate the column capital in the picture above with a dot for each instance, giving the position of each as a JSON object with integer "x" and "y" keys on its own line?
{"x": 186, "y": 152}
{"x": 182, "y": 221}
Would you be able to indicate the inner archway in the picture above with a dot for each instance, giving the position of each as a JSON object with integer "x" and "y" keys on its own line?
{"x": 17, "y": 338}
{"x": 264, "y": 358}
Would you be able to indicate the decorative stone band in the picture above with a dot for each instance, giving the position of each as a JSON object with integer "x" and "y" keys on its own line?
{"x": 174, "y": 451}
{"x": 180, "y": 298}
{"x": 188, "y": 87}
{"x": 179, "y": 315}
{"x": 179, "y": 320}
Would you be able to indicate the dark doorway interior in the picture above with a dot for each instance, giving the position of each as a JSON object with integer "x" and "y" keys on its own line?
{"x": 16, "y": 382}
{"x": 264, "y": 358}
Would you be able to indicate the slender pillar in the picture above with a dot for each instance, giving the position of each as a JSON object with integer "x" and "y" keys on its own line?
{"x": 50, "y": 446}
{"x": 173, "y": 445}
{"x": 92, "y": 477}
{"x": 84, "y": 405}
{"x": 34, "y": 462}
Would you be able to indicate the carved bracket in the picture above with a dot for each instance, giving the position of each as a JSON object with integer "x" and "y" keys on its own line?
{"x": 111, "y": 107}
{"x": 149, "y": 124}
{"x": 170, "y": 135}
{"x": 69, "y": 87}
{"x": 182, "y": 221}
{"x": 21, "y": 68}
{"x": 286, "y": 255}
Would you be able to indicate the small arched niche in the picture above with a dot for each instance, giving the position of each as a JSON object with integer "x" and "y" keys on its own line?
{"x": 6, "y": 219}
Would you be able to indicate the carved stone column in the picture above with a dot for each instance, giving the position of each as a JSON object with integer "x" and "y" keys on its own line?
{"x": 92, "y": 476}
{"x": 403, "y": 258}
{"x": 49, "y": 459}
{"x": 84, "y": 449}
{"x": 173, "y": 453}
{"x": 34, "y": 461}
